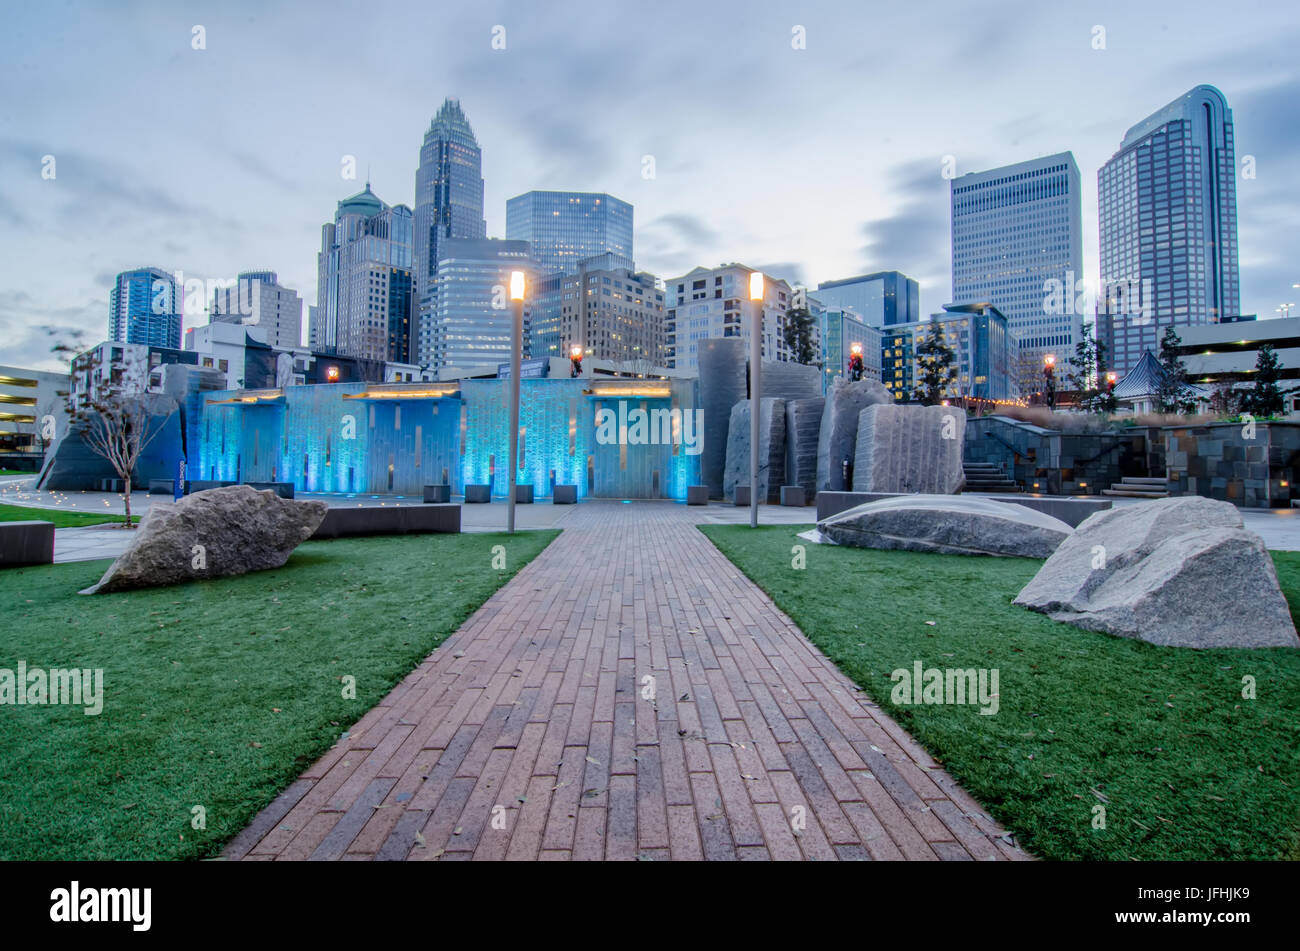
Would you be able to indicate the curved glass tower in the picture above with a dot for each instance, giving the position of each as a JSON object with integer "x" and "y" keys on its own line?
{"x": 448, "y": 204}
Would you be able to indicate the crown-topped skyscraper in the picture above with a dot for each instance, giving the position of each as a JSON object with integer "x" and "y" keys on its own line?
{"x": 448, "y": 204}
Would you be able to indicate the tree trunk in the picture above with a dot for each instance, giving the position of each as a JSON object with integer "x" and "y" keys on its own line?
{"x": 126, "y": 496}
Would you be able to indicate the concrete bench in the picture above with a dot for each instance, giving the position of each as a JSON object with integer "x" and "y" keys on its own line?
{"x": 741, "y": 495}
{"x": 202, "y": 485}
{"x": 437, "y": 493}
{"x": 478, "y": 493}
{"x": 111, "y": 485}
{"x": 161, "y": 486}
{"x": 564, "y": 495}
{"x": 283, "y": 489}
{"x": 26, "y": 543}
{"x": 523, "y": 495}
{"x": 1069, "y": 511}
{"x": 794, "y": 495}
{"x": 345, "y": 522}
{"x": 697, "y": 495}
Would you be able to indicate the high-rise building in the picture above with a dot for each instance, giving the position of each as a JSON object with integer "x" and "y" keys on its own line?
{"x": 146, "y": 307}
{"x": 258, "y": 299}
{"x": 983, "y": 350}
{"x": 840, "y": 331}
{"x": 448, "y": 204}
{"x": 611, "y": 312}
{"x": 1167, "y": 202}
{"x": 1015, "y": 231}
{"x": 565, "y": 228}
{"x": 879, "y": 299}
{"x": 472, "y": 323}
{"x": 363, "y": 290}
{"x": 714, "y": 302}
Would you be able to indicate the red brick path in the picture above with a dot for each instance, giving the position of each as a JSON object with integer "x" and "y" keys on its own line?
{"x": 526, "y": 736}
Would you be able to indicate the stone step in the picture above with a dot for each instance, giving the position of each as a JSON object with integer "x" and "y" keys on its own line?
{"x": 1132, "y": 492}
{"x": 1144, "y": 480}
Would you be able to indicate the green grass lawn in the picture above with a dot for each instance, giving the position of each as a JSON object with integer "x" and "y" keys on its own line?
{"x": 9, "y": 472}
{"x": 62, "y": 518}
{"x": 216, "y": 693}
{"x": 1161, "y": 737}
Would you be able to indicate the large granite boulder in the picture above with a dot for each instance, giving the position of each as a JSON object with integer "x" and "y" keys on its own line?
{"x": 226, "y": 531}
{"x": 803, "y": 421}
{"x": 837, "y": 438}
{"x": 950, "y": 524}
{"x": 910, "y": 449}
{"x": 1182, "y": 572}
{"x": 771, "y": 449}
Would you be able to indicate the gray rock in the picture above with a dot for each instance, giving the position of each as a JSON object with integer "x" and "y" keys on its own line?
{"x": 837, "y": 437}
{"x": 1181, "y": 572}
{"x": 722, "y": 381}
{"x": 951, "y": 524}
{"x": 910, "y": 449}
{"x": 227, "y": 531}
{"x": 771, "y": 450}
{"x": 803, "y": 421}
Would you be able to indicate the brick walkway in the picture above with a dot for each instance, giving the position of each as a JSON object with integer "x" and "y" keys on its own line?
{"x": 526, "y": 735}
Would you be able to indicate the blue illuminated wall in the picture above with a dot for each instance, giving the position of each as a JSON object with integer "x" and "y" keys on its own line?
{"x": 332, "y": 438}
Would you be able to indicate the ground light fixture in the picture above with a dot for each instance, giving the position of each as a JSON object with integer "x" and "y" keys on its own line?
{"x": 755, "y": 359}
{"x": 516, "y": 357}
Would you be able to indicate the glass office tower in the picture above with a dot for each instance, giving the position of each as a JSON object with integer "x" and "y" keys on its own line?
{"x": 564, "y": 228}
{"x": 448, "y": 204}
{"x": 1167, "y": 202}
{"x": 880, "y": 299}
{"x": 472, "y": 323}
{"x": 146, "y": 307}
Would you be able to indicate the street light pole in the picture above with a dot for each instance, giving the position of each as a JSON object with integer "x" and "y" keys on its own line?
{"x": 516, "y": 357}
{"x": 755, "y": 360}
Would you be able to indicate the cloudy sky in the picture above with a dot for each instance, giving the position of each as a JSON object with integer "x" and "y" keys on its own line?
{"x": 815, "y": 163}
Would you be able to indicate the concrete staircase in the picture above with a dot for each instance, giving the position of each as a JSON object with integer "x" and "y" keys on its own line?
{"x": 1136, "y": 487}
{"x": 987, "y": 477}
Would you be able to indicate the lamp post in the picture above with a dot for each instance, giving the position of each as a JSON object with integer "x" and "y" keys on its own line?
{"x": 755, "y": 358}
{"x": 516, "y": 356}
{"x": 855, "y": 362}
{"x": 1049, "y": 377}
{"x": 575, "y": 361}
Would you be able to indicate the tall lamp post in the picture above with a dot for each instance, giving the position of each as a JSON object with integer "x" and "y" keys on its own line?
{"x": 575, "y": 361}
{"x": 855, "y": 362}
{"x": 755, "y": 359}
{"x": 516, "y": 356}
{"x": 1049, "y": 377}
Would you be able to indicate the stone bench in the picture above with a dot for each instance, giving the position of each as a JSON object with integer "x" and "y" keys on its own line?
{"x": 350, "y": 521}
{"x": 161, "y": 487}
{"x": 283, "y": 489}
{"x": 478, "y": 493}
{"x": 111, "y": 485}
{"x": 794, "y": 495}
{"x": 741, "y": 495}
{"x": 202, "y": 485}
{"x": 697, "y": 495}
{"x": 1069, "y": 511}
{"x": 437, "y": 493}
{"x": 26, "y": 543}
{"x": 523, "y": 495}
{"x": 564, "y": 495}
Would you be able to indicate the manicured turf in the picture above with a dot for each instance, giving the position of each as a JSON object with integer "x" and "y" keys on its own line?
{"x": 9, "y": 472}
{"x": 216, "y": 693}
{"x": 1161, "y": 737}
{"x": 62, "y": 518}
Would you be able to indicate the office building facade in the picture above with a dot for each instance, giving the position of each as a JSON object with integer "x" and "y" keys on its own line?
{"x": 448, "y": 205}
{"x": 879, "y": 299}
{"x": 714, "y": 302}
{"x": 257, "y": 299}
{"x": 565, "y": 228}
{"x": 1017, "y": 242}
{"x": 612, "y": 313}
{"x": 1167, "y": 203}
{"x": 983, "y": 348}
{"x": 364, "y": 281}
{"x": 146, "y": 307}
{"x": 472, "y": 323}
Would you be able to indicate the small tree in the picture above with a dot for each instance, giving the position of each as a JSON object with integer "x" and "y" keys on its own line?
{"x": 1267, "y": 398}
{"x": 1225, "y": 400}
{"x": 1087, "y": 373}
{"x": 1173, "y": 394}
{"x": 935, "y": 370}
{"x": 118, "y": 425}
{"x": 798, "y": 334}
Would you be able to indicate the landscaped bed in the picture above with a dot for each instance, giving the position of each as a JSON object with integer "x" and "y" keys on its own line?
{"x": 63, "y": 518}
{"x": 1161, "y": 738}
{"x": 216, "y": 694}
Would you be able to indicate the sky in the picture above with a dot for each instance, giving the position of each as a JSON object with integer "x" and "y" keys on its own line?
{"x": 813, "y": 163}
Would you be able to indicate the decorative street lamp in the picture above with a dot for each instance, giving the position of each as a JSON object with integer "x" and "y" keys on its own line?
{"x": 1049, "y": 377}
{"x": 575, "y": 361}
{"x": 516, "y": 357}
{"x": 855, "y": 362}
{"x": 755, "y": 358}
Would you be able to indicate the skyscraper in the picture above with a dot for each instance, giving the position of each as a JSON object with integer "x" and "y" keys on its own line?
{"x": 564, "y": 228}
{"x": 1168, "y": 231}
{"x": 1015, "y": 231}
{"x": 610, "y": 311}
{"x": 714, "y": 302}
{"x": 879, "y": 299}
{"x": 258, "y": 299}
{"x": 448, "y": 204}
{"x": 363, "y": 289}
{"x": 145, "y": 307}
{"x": 472, "y": 323}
